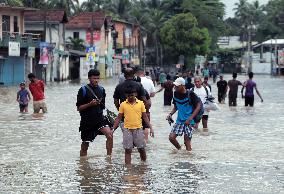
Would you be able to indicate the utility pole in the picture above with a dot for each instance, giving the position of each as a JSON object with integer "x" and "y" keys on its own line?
{"x": 249, "y": 51}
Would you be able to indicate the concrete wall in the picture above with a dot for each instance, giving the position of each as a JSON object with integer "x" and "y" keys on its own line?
{"x": 69, "y": 33}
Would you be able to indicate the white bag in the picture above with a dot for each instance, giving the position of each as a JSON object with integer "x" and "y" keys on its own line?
{"x": 211, "y": 105}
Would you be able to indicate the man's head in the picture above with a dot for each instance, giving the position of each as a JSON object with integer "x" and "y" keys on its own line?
{"x": 235, "y": 75}
{"x": 22, "y": 85}
{"x": 130, "y": 93}
{"x": 31, "y": 77}
{"x": 168, "y": 77}
{"x": 221, "y": 77}
{"x": 94, "y": 77}
{"x": 128, "y": 73}
{"x": 250, "y": 75}
{"x": 179, "y": 84}
{"x": 205, "y": 79}
{"x": 197, "y": 82}
{"x": 140, "y": 72}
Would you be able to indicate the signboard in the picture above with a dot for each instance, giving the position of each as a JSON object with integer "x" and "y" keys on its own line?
{"x": 31, "y": 52}
{"x": 43, "y": 53}
{"x": 96, "y": 37}
{"x": 90, "y": 55}
{"x": 14, "y": 49}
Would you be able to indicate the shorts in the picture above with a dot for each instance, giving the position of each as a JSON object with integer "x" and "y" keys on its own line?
{"x": 23, "y": 106}
{"x": 180, "y": 128}
{"x": 89, "y": 133}
{"x": 133, "y": 138}
{"x": 39, "y": 105}
{"x": 249, "y": 100}
{"x": 232, "y": 101}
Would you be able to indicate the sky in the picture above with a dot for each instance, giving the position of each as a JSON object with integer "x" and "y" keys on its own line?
{"x": 230, "y": 5}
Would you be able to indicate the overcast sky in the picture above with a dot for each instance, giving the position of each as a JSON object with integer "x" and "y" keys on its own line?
{"x": 230, "y": 4}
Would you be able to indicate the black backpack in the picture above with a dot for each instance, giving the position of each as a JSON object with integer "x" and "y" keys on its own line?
{"x": 191, "y": 96}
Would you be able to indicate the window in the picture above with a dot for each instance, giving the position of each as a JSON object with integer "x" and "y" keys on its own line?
{"x": 5, "y": 23}
{"x": 16, "y": 27}
{"x": 75, "y": 34}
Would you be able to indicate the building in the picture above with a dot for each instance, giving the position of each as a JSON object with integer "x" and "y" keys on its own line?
{"x": 14, "y": 45}
{"x": 116, "y": 42}
{"x": 95, "y": 29}
{"x": 50, "y": 25}
{"x": 128, "y": 39}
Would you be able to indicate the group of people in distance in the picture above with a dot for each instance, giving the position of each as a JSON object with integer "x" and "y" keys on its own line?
{"x": 249, "y": 86}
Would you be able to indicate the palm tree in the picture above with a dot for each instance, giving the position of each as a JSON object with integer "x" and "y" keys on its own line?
{"x": 77, "y": 43}
{"x": 68, "y": 5}
{"x": 120, "y": 8}
{"x": 92, "y": 5}
{"x": 156, "y": 21}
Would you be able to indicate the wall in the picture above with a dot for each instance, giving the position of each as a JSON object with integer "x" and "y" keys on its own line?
{"x": 69, "y": 33}
{"x": 13, "y": 13}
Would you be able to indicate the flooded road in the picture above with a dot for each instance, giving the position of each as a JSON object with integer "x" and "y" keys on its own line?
{"x": 242, "y": 153}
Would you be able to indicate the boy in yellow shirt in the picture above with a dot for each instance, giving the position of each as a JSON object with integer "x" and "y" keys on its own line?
{"x": 133, "y": 110}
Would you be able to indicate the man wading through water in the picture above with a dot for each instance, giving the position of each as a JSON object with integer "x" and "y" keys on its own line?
{"x": 90, "y": 104}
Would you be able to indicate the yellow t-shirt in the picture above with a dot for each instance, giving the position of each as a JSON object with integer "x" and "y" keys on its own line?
{"x": 132, "y": 114}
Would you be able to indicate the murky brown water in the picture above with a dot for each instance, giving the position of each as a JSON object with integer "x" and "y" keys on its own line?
{"x": 242, "y": 153}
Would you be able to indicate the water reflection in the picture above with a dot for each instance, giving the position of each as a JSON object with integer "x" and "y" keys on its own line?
{"x": 106, "y": 177}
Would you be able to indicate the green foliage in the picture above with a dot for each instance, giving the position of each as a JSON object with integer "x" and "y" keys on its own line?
{"x": 77, "y": 44}
{"x": 181, "y": 36}
{"x": 17, "y": 3}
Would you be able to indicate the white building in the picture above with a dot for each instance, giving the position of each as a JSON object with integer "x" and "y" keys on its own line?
{"x": 50, "y": 24}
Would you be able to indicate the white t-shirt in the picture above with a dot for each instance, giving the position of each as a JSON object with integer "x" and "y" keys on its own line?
{"x": 201, "y": 93}
{"x": 148, "y": 85}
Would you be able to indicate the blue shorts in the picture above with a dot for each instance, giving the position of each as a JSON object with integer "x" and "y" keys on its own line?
{"x": 180, "y": 128}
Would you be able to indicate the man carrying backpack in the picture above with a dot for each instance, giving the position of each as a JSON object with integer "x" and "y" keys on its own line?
{"x": 188, "y": 106}
{"x": 90, "y": 104}
{"x": 203, "y": 92}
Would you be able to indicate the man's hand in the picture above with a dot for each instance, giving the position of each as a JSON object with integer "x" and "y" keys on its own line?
{"x": 187, "y": 122}
{"x": 261, "y": 100}
{"x": 94, "y": 102}
{"x": 151, "y": 132}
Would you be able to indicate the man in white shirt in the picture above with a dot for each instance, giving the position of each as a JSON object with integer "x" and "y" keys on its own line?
{"x": 146, "y": 83}
{"x": 201, "y": 92}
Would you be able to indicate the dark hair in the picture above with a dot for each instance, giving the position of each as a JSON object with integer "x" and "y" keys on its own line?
{"x": 130, "y": 90}
{"x": 168, "y": 77}
{"x": 128, "y": 73}
{"x": 147, "y": 73}
{"x": 93, "y": 72}
{"x": 31, "y": 75}
{"x": 22, "y": 84}
{"x": 250, "y": 74}
{"x": 235, "y": 75}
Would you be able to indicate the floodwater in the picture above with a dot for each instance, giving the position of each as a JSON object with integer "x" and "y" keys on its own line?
{"x": 243, "y": 152}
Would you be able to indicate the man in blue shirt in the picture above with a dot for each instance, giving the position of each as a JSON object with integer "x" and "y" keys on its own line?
{"x": 188, "y": 105}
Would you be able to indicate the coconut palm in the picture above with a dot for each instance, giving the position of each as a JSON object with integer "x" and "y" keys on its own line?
{"x": 92, "y": 5}
{"x": 77, "y": 43}
{"x": 120, "y": 8}
{"x": 67, "y": 5}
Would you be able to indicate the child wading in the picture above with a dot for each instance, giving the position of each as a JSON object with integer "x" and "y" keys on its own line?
{"x": 23, "y": 97}
{"x": 133, "y": 110}
{"x": 188, "y": 105}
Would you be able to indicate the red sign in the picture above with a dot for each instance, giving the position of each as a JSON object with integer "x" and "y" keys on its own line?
{"x": 96, "y": 37}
